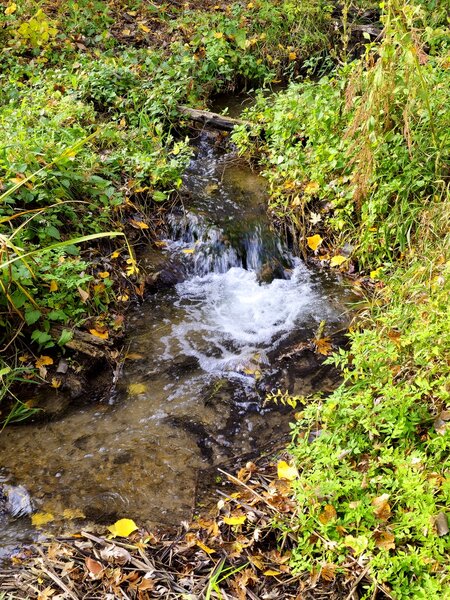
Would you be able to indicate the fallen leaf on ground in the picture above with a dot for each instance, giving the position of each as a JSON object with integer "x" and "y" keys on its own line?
{"x": 43, "y": 361}
{"x": 94, "y": 567}
{"x": 286, "y": 471}
{"x": 123, "y": 528}
{"x": 39, "y": 519}
{"x": 103, "y": 335}
{"x": 337, "y": 260}
{"x": 381, "y": 507}
{"x": 328, "y": 514}
{"x": 235, "y": 520}
{"x": 138, "y": 224}
{"x": 384, "y": 540}
{"x": 314, "y": 241}
{"x": 323, "y": 346}
{"x": 204, "y": 547}
{"x": 83, "y": 295}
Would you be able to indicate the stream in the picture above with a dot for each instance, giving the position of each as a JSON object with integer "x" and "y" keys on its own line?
{"x": 201, "y": 356}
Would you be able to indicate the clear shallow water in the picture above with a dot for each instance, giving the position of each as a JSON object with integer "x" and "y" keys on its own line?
{"x": 190, "y": 395}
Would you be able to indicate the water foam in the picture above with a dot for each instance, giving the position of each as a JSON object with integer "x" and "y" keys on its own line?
{"x": 227, "y": 318}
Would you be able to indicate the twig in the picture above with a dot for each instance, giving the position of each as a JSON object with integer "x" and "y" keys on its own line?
{"x": 241, "y": 483}
{"x": 355, "y": 585}
{"x": 58, "y": 581}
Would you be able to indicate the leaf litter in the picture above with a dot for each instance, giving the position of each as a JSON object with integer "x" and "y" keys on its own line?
{"x": 234, "y": 552}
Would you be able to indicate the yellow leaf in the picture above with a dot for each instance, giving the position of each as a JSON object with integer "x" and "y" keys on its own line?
{"x": 126, "y": 32}
{"x": 73, "y": 513}
{"x": 144, "y": 28}
{"x": 99, "y": 334}
{"x": 123, "y": 298}
{"x": 204, "y": 547}
{"x": 358, "y": 544}
{"x": 104, "y": 274}
{"x": 115, "y": 254}
{"x": 53, "y": 286}
{"x": 11, "y": 8}
{"x": 376, "y": 273}
{"x": 312, "y": 187}
{"x": 134, "y": 389}
{"x": 314, "y": 241}
{"x": 272, "y": 573}
{"x": 328, "y": 514}
{"x": 56, "y": 383}
{"x": 123, "y": 528}
{"x": 336, "y": 261}
{"x": 43, "y": 361}
{"x": 134, "y": 356}
{"x": 287, "y": 472}
{"x": 188, "y": 251}
{"x": 39, "y": 519}
{"x": 138, "y": 224}
{"x": 235, "y": 520}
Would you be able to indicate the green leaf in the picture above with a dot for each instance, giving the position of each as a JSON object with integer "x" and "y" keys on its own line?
{"x": 31, "y": 316}
{"x": 65, "y": 337}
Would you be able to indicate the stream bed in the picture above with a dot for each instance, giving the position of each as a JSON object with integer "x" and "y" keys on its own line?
{"x": 201, "y": 356}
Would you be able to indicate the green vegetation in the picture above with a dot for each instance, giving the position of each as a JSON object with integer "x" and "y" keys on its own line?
{"x": 92, "y": 140}
{"x": 358, "y": 165}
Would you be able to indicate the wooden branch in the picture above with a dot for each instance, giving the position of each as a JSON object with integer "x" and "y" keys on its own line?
{"x": 84, "y": 342}
{"x": 211, "y": 119}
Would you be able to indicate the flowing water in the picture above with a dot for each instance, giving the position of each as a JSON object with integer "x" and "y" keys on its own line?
{"x": 201, "y": 355}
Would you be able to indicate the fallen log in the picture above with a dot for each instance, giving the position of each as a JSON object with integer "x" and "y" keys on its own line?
{"x": 211, "y": 119}
{"x": 85, "y": 343}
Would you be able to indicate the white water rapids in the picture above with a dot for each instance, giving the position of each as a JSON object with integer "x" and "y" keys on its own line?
{"x": 228, "y": 319}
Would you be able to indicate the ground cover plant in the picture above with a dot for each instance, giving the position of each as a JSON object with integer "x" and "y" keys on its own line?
{"x": 359, "y": 164}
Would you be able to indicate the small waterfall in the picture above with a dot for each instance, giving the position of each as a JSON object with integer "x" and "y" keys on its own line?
{"x": 244, "y": 291}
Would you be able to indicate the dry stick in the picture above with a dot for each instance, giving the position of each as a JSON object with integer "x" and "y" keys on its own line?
{"x": 241, "y": 483}
{"x": 257, "y": 512}
{"x": 58, "y": 581}
{"x": 355, "y": 585}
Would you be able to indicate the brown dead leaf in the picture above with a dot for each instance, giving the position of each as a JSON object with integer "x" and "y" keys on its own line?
{"x": 146, "y": 584}
{"x": 328, "y": 514}
{"x": 328, "y": 572}
{"x": 94, "y": 567}
{"x": 83, "y": 295}
{"x": 384, "y": 540}
{"x": 381, "y": 506}
{"x": 441, "y": 523}
{"x": 323, "y": 345}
